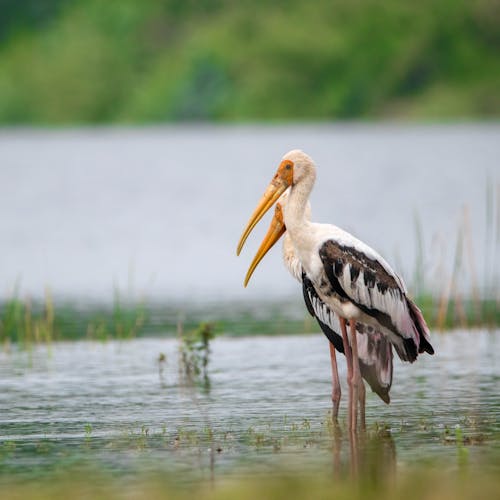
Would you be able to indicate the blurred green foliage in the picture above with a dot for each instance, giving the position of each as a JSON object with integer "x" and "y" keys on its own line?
{"x": 125, "y": 61}
{"x": 425, "y": 483}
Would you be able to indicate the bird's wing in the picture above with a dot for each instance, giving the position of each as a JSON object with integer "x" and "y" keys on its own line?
{"x": 357, "y": 275}
{"x": 327, "y": 319}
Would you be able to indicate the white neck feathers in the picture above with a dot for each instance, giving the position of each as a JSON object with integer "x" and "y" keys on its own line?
{"x": 296, "y": 219}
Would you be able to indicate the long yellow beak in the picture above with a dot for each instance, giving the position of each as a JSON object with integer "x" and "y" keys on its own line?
{"x": 274, "y": 233}
{"x": 279, "y": 184}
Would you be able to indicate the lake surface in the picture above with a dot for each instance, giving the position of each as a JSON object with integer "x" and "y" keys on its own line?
{"x": 158, "y": 211}
{"x": 107, "y": 405}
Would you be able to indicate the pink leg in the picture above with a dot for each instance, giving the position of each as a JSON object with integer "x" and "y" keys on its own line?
{"x": 362, "y": 404}
{"x": 336, "y": 392}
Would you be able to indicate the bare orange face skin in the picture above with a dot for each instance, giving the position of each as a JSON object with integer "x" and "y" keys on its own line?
{"x": 282, "y": 180}
{"x": 285, "y": 172}
{"x": 274, "y": 233}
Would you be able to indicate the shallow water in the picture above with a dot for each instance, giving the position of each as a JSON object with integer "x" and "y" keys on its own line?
{"x": 160, "y": 210}
{"x": 108, "y": 405}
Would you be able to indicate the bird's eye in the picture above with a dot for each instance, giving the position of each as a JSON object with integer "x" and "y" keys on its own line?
{"x": 288, "y": 166}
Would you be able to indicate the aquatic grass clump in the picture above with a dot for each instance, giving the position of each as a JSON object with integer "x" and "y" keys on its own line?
{"x": 22, "y": 322}
{"x": 28, "y": 322}
{"x": 124, "y": 321}
{"x": 194, "y": 354}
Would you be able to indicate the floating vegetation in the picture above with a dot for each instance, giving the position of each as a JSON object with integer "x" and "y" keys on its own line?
{"x": 284, "y": 437}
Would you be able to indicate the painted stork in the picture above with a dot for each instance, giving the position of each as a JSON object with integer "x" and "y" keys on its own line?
{"x": 354, "y": 281}
{"x": 374, "y": 350}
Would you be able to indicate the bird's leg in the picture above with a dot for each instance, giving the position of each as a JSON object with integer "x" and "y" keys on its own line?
{"x": 362, "y": 404}
{"x": 336, "y": 392}
{"x": 348, "y": 357}
{"x": 347, "y": 349}
{"x": 357, "y": 381}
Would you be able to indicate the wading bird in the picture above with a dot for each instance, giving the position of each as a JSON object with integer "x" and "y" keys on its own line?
{"x": 354, "y": 281}
{"x": 374, "y": 350}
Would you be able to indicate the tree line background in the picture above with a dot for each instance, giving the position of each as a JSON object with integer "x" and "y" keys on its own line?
{"x": 131, "y": 61}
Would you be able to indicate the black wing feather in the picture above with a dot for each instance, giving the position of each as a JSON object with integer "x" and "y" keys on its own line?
{"x": 309, "y": 291}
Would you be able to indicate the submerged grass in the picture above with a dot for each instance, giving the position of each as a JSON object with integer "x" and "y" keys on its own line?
{"x": 375, "y": 476}
{"x": 268, "y": 460}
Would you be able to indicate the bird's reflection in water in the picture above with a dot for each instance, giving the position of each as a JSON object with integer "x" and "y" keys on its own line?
{"x": 369, "y": 454}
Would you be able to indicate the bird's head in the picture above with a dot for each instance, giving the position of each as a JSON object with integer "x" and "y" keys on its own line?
{"x": 294, "y": 167}
{"x": 302, "y": 165}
